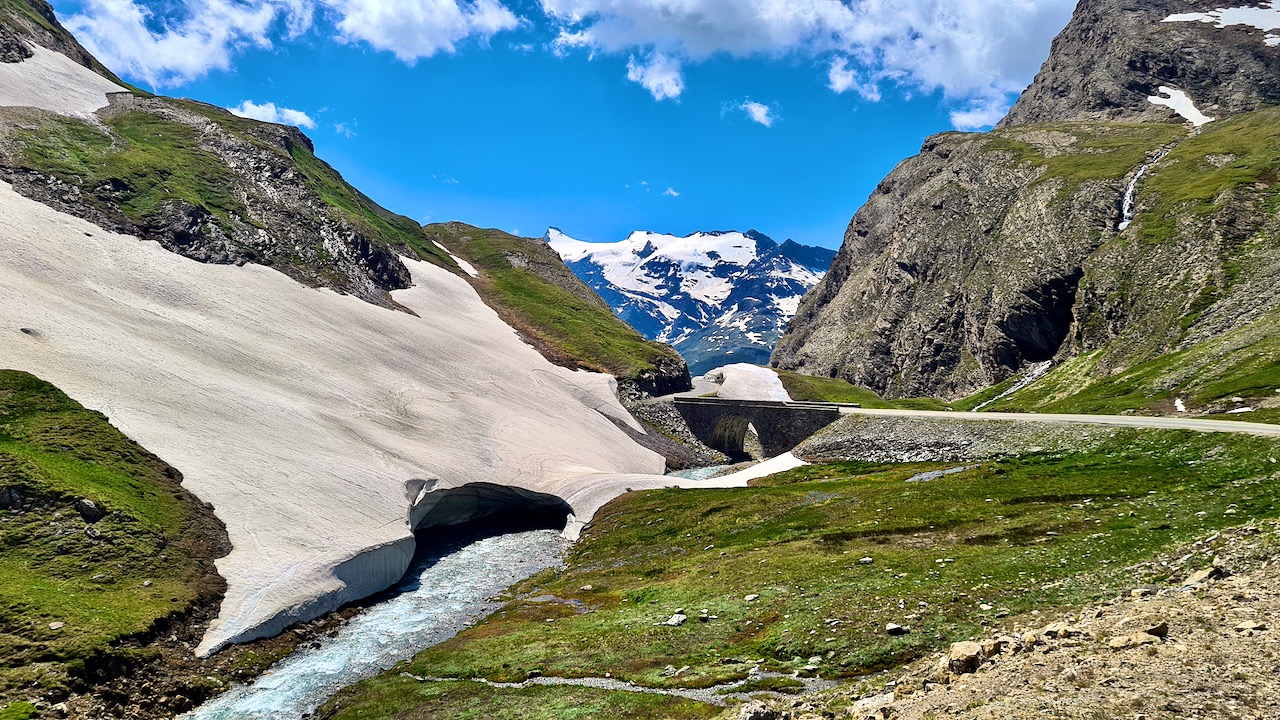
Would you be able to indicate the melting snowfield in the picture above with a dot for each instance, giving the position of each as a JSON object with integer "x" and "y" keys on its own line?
{"x": 54, "y": 82}
{"x": 444, "y": 593}
{"x": 319, "y": 426}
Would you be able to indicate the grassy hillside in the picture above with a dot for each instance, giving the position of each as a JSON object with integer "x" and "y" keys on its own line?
{"x": 807, "y": 387}
{"x": 74, "y": 587}
{"x": 948, "y": 557}
{"x": 529, "y": 286}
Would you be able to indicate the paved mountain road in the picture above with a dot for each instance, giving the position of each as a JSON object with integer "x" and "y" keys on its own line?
{"x": 1133, "y": 421}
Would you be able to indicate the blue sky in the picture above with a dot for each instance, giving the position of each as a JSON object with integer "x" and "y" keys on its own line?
{"x": 596, "y": 116}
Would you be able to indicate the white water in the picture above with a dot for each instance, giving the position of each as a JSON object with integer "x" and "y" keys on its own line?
{"x": 449, "y": 591}
{"x": 1034, "y": 373}
{"x": 1131, "y": 192}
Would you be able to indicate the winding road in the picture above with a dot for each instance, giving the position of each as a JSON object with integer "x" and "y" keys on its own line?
{"x": 1133, "y": 421}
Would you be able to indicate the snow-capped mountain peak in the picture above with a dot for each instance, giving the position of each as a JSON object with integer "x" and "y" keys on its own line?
{"x": 717, "y": 296}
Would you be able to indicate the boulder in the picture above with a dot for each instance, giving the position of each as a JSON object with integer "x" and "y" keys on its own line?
{"x": 89, "y": 510}
{"x": 964, "y": 657}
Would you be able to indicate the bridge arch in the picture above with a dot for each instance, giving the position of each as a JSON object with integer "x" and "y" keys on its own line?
{"x": 780, "y": 426}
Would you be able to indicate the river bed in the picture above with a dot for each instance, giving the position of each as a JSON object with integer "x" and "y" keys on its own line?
{"x": 444, "y": 592}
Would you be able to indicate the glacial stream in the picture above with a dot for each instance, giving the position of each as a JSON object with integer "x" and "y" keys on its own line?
{"x": 1131, "y": 192}
{"x": 444, "y": 592}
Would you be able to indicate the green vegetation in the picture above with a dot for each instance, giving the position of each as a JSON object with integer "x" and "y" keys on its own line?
{"x": 144, "y": 165}
{"x": 1237, "y": 153}
{"x": 576, "y": 328}
{"x": 104, "y": 581}
{"x": 19, "y": 711}
{"x": 394, "y": 696}
{"x": 948, "y": 557}
{"x": 1101, "y": 151}
{"x": 147, "y": 163}
{"x": 808, "y": 387}
{"x": 1242, "y": 363}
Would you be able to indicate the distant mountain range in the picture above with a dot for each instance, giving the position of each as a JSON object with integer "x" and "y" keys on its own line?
{"x": 718, "y": 297}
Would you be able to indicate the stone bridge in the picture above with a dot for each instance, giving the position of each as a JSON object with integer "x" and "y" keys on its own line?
{"x": 722, "y": 424}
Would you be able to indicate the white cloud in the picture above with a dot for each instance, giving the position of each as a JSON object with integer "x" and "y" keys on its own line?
{"x": 415, "y": 29}
{"x": 171, "y": 43}
{"x": 842, "y": 78}
{"x": 346, "y": 130}
{"x": 979, "y": 115}
{"x": 164, "y": 50}
{"x": 658, "y": 74}
{"x": 268, "y": 112}
{"x": 758, "y": 112}
{"x": 671, "y": 192}
{"x": 976, "y": 52}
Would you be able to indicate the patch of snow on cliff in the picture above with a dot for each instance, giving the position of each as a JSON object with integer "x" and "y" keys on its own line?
{"x": 52, "y": 81}
{"x": 741, "y": 381}
{"x": 1180, "y": 103}
{"x": 787, "y": 306}
{"x": 1266, "y": 18}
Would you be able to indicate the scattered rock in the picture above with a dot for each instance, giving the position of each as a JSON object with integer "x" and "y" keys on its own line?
{"x": 964, "y": 657}
{"x": 757, "y": 710}
{"x": 1198, "y": 578}
{"x": 1250, "y": 626}
{"x": 89, "y": 510}
{"x": 752, "y": 597}
{"x": 866, "y": 561}
{"x": 1131, "y": 641}
{"x": 896, "y": 630}
{"x": 676, "y": 620}
{"x": 57, "y": 625}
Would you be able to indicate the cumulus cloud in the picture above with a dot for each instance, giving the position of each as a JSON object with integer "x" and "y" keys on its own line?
{"x": 671, "y": 192}
{"x": 415, "y": 29}
{"x": 659, "y": 74}
{"x": 269, "y": 112}
{"x": 167, "y": 44}
{"x": 975, "y": 52}
{"x": 163, "y": 50}
{"x": 758, "y": 112}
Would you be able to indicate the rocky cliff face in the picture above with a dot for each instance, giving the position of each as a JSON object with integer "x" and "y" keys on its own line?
{"x": 988, "y": 253}
{"x": 1115, "y": 54}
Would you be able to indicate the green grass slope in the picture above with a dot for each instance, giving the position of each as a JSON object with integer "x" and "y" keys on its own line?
{"x": 73, "y": 591}
{"x": 529, "y": 286}
{"x": 948, "y": 557}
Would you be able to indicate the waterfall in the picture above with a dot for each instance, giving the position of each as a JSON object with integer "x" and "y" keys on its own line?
{"x": 1131, "y": 192}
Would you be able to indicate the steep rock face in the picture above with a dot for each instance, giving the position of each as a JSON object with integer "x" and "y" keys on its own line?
{"x": 964, "y": 265}
{"x": 1114, "y": 54}
{"x": 988, "y": 253}
{"x": 718, "y": 297}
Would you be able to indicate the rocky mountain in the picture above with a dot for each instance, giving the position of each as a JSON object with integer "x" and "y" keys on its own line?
{"x": 1119, "y": 229}
{"x": 718, "y": 297}
{"x": 218, "y": 188}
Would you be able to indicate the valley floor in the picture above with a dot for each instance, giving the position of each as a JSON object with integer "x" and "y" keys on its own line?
{"x": 862, "y": 572}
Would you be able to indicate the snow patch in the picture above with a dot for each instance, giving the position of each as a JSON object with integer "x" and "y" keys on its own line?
{"x": 1179, "y": 405}
{"x": 1266, "y": 18}
{"x": 467, "y": 267}
{"x": 52, "y": 81}
{"x": 318, "y": 425}
{"x": 1180, "y": 103}
{"x": 741, "y": 381}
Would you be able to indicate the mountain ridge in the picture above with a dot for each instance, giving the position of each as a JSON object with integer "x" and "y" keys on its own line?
{"x": 990, "y": 253}
{"x": 718, "y": 296}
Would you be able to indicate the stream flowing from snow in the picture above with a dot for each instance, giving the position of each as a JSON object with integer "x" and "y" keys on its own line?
{"x": 444, "y": 592}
